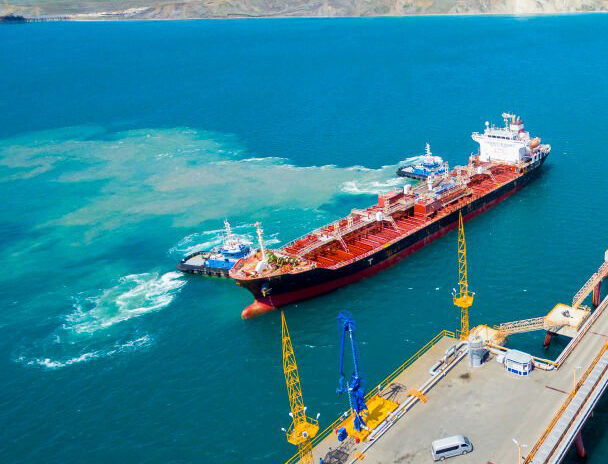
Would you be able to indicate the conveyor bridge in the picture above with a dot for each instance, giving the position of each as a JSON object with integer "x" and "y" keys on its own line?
{"x": 590, "y": 285}
{"x": 525, "y": 325}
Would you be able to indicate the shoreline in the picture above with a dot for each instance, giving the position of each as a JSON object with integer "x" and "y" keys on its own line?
{"x": 116, "y": 17}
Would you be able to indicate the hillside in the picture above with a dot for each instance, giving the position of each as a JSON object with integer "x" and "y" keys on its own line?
{"x": 151, "y": 9}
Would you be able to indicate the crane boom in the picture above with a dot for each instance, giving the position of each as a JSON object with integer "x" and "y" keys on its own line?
{"x": 463, "y": 299}
{"x": 354, "y": 387}
{"x": 302, "y": 427}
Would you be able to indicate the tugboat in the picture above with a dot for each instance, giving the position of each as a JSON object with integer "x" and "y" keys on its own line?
{"x": 429, "y": 166}
{"x": 218, "y": 261}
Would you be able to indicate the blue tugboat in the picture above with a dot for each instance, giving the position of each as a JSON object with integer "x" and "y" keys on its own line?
{"x": 430, "y": 165}
{"x": 219, "y": 261}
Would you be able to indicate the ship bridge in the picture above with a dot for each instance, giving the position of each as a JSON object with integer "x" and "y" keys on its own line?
{"x": 509, "y": 144}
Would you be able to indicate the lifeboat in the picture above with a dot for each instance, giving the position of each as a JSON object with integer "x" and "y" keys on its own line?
{"x": 534, "y": 142}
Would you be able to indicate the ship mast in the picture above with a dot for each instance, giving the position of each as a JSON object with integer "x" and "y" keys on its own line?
{"x": 227, "y": 228}
{"x": 259, "y": 232}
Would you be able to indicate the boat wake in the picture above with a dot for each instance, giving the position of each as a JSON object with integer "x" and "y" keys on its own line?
{"x": 117, "y": 348}
{"x": 370, "y": 187}
{"x": 377, "y": 181}
{"x": 133, "y": 296}
{"x": 77, "y": 341}
{"x": 206, "y": 240}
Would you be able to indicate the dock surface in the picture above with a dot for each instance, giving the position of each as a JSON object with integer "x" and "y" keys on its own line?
{"x": 488, "y": 405}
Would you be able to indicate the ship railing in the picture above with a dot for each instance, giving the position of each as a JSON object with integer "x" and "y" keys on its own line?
{"x": 335, "y": 231}
{"x": 530, "y": 457}
{"x": 329, "y": 231}
{"x": 319, "y": 437}
{"x": 524, "y": 325}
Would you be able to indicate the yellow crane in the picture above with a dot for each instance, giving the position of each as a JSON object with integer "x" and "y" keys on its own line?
{"x": 463, "y": 299}
{"x": 302, "y": 428}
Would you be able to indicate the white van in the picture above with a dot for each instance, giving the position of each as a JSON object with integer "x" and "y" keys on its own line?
{"x": 450, "y": 446}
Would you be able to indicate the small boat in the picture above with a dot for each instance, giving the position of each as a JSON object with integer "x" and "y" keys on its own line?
{"x": 429, "y": 166}
{"x": 218, "y": 261}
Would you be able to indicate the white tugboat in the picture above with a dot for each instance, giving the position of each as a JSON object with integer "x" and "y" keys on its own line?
{"x": 219, "y": 261}
{"x": 430, "y": 165}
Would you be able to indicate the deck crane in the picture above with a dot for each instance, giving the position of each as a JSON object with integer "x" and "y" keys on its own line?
{"x": 302, "y": 428}
{"x": 354, "y": 387}
{"x": 463, "y": 299}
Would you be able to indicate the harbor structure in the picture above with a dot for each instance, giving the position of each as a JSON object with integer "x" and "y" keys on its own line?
{"x": 513, "y": 406}
{"x": 403, "y": 221}
{"x": 302, "y": 428}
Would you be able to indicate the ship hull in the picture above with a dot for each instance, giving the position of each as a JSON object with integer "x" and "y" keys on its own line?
{"x": 271, "y": 293}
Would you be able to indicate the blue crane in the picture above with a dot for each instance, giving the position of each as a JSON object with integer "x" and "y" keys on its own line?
{"x": 354, "y": 387}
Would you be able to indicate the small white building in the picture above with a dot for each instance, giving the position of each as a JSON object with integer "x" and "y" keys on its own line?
{"x": 518, "y": 362}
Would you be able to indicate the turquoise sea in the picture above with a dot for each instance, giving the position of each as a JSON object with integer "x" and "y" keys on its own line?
{"x": 124, "y": 145}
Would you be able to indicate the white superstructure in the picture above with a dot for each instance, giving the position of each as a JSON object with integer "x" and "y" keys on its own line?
{"x": 509, "y": 144}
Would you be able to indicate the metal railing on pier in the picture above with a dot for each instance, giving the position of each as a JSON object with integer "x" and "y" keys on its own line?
{"x": 588, "y": 287}
{"x": 525, "y": 325}
{"x": 563, "y": 408}
{"x": 386, "y": 382}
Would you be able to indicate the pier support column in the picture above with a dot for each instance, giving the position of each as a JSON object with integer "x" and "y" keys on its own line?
{"x": 548, "y": 338}
{"x": 580, "y": 446}
{"x": 597, "y": 291}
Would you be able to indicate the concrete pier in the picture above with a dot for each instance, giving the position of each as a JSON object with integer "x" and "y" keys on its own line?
{"x": 539, "y": 415}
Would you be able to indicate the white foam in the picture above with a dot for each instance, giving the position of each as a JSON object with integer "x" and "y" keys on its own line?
{"x": 370, "y": 187}
{"x": 411, "y": 160}
{"x": 195, "y": 242}
{"x": 200, "y": 241}
{"x": 133, "y": 296}
{"x": 49, "y": 363}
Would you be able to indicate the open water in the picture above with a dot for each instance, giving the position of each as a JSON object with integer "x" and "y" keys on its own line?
{"x": 124, "y": 145}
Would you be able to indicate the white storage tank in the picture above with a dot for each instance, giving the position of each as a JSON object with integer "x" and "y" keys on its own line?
{"x": 477, "y": 352}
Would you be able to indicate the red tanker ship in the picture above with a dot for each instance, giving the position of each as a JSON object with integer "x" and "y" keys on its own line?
{"x": 403, "y": 221}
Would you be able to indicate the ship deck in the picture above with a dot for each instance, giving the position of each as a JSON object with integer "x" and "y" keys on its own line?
{"x": 328, "y": 251}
